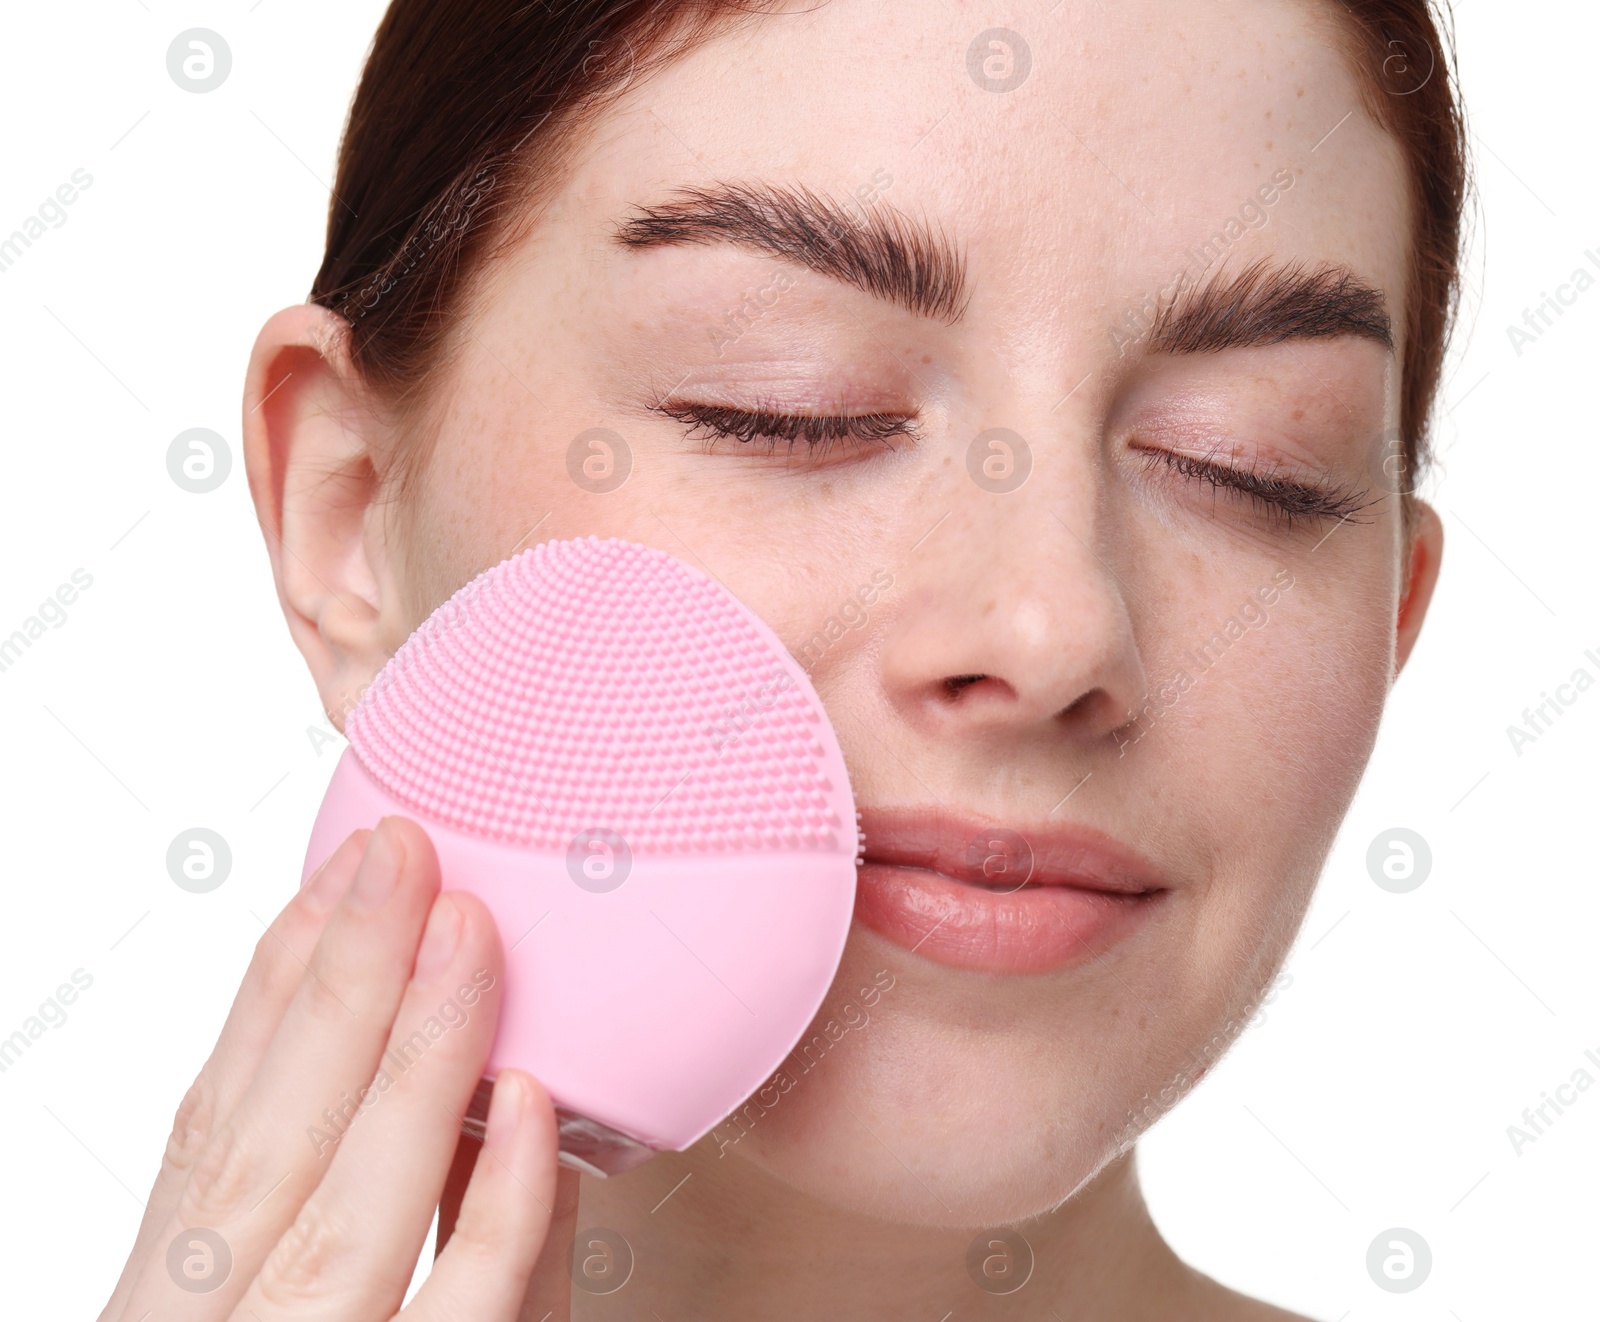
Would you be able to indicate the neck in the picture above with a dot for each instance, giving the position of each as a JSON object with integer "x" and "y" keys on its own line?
{"x": 730, "y": 1241}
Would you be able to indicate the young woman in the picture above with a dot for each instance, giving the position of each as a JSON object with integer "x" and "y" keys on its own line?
{"x": 1100, "y": 341}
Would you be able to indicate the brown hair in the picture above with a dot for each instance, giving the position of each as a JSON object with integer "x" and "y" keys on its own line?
{"x": 1408, "y": 77}
{"x": 467, "y": 109}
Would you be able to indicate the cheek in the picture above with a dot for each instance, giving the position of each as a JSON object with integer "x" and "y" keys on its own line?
{"x": 1275, "y": 730}
{"x": 493, "y": 475}
{"x": 1319, "y": 691}
{"x": 1253, "y": 769}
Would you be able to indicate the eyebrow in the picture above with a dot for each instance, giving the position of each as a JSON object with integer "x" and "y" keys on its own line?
{"x": 1267, "y": 303}
{"x": 881, "y": 252}
{"x": 903, "y": 261}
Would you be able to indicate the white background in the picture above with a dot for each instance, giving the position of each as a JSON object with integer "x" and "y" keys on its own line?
{"x": 1375, "y": 1092}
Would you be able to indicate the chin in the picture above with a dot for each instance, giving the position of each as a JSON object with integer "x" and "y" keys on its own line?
{"x": 921, "y": 1116}
{"x": 965, "y": 1165}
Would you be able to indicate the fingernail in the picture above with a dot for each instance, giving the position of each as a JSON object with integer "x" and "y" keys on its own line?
{"x": 440, "y": 939}
{"x": 328, "y": 885}
{"x": 505, "y": 1110}
{"x": 379, "y": 869}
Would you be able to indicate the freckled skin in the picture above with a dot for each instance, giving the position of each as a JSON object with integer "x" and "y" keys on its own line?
{"x": 970, "y": 1100}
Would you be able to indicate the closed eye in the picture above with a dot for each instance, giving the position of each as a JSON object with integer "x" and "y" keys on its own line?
{"x": 819, "y": 431}
{"x": 1267, "y": 491}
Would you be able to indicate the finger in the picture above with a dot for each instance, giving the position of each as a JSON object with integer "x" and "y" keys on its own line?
{"x": 505, "y": 1221}
{"x": 549, "y": 1293}
{"x": 275, "y": 971}
{"x": 355, "y": 1243}
{"x": 455, "y": 1184}
{"x": 551, "y": 1274}
{"x": 258, "y": 1167}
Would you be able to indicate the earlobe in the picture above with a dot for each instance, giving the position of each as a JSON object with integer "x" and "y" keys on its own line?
{"x": 313, "y": 449}
{"x": 1423, "y": 557}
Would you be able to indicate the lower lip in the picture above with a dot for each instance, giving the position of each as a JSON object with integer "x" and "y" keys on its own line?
{"x": 1035, "y": 929}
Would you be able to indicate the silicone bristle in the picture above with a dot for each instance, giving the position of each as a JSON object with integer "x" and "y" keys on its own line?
{"x": 597, "y": 683}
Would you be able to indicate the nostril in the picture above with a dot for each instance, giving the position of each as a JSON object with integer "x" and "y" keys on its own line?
{"x": 1094, "y": 708}
{"x": 955, "y": 683}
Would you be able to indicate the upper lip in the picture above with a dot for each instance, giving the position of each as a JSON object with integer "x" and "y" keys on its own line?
{"x": 1061, "y": 854}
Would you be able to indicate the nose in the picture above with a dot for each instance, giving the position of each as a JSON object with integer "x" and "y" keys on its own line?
{"x": 1012, "y": 622}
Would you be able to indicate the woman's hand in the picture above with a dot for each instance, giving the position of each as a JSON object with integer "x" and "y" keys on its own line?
{"x": 308, "y": 1158}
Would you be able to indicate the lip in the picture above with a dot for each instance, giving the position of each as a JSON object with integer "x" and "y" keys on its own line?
{"x": 993, "y": 898}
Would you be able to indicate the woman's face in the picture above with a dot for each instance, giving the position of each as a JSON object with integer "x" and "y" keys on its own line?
{"x": 1046, "y": 495}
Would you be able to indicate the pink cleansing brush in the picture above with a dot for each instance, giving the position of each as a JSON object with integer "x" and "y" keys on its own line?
{"x": 627, "y": 766}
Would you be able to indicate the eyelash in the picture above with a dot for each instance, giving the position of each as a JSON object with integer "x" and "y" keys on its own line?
{"x": 1270, "y": 494}
{"x": 820, "y": 432}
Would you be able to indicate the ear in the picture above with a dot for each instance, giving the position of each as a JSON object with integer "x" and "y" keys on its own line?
{"x": 313, "y": 451}
{"x": 1422, "y": 573}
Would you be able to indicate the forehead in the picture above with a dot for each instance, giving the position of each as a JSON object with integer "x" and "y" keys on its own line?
{"x": 1078, "y": 157}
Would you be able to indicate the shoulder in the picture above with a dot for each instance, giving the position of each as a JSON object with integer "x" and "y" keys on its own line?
{"x": 1214, "y": 1302}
